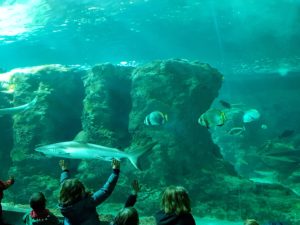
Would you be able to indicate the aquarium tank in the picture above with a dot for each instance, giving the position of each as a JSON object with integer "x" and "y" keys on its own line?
{"x": 202, "y": 94}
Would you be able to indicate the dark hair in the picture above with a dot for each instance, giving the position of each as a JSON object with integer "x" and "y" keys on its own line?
{"x": 127, "y": 216}
{"x": 175, "y": 199}
{"x": 71, "y": 191}
{"x": 37, "y": 201}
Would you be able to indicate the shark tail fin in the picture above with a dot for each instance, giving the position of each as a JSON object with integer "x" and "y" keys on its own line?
{"x": 134, "y": 156}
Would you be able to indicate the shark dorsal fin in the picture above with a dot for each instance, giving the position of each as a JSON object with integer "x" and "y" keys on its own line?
{"x": 81, "y": 137}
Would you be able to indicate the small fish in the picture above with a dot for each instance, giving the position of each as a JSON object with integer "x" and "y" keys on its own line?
{"x": 212, "y": 117}
{"x": 236, "y": 131}
{"x": 156, "y": 118}
{"x": 251, "y": 115}
{"x": 225, "y": 104}
{"x": 286, "y": 134}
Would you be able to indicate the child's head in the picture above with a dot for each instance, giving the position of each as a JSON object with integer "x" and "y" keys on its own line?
{"x": 37, "y": 201}
{"x": 127, "y": 216}
{"x": 251, "y": 222}
{"x": 175, "y": 199}
{"x": 71, "y": 191}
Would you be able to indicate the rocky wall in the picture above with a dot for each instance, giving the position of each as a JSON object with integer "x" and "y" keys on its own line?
{"x": 106, "y": 108}
{"x": 107, "y": 104}
{"x": 55, "y": 117}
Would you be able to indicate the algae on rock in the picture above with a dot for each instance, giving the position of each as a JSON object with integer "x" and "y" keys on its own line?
{"x": 55, "y": 117}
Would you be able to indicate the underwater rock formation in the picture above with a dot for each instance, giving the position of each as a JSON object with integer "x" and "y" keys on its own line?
{"x": 55, "y": 117}
{"x": 107, "y": 105}
{"x": 183, "y": 90}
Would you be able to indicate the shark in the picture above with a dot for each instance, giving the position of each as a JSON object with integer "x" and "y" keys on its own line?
{"x": 82, "y": 150}
{"x": 18, "y": 109}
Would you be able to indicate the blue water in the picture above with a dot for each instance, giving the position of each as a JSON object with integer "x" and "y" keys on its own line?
{"x": 235, "y": 36}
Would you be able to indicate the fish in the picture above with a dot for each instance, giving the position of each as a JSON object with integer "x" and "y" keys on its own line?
{"x": 251, "y": 115}
{"x": 236, "y": 130}
{"x": 290, "y": 154}
{"x": 225, "y": 104}
{"x": 264, "y": 176}
{"x": 83, "y": 150}
{"x": 155, "y": 118}
{"x": 283, "y": 161}
{"x": 286, "y": 134}
{"x": 212, "y": 117}
{"x": 18, "y": 109}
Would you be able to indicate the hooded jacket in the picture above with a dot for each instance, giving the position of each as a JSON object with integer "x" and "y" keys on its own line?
{"x": 84, "y": 211}
{"x": 162, "y": 218}
{"x": 44, "y": 218}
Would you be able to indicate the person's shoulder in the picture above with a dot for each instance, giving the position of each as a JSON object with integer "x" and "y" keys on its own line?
{"x": 162, "y": 216}
{"x": 26, "y": 218}
{"x": 187, "y": 219}
{"x": 160, "y": 213}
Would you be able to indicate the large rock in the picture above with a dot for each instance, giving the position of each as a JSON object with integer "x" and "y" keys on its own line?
{"x": 55, "y": 117}
{"x": 107, "y": 105}
{"x": 182, "y": 90}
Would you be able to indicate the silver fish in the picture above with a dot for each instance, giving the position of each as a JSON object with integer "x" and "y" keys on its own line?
{"x": 155, "y": 118}
{"x": 18, "y": 109}
{"x": 81, "y": 150}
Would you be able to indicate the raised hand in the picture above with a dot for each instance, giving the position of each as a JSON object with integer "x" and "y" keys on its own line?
{"x": 136, "y": 187}
{"x": 115, "y": 164}
{"x": 63, "y": 164}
